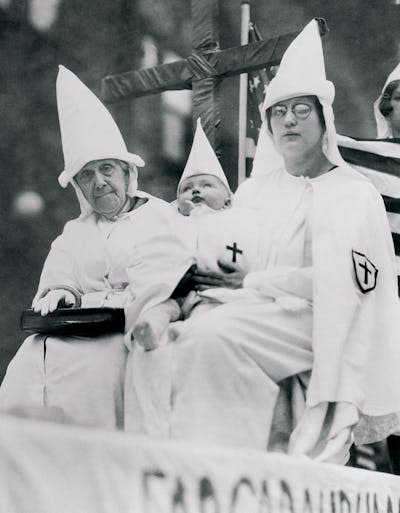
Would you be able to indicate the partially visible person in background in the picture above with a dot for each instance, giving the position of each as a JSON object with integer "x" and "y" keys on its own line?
{"x": 387, "y": 117}
{"x": 387, "y": 107}
{"x": 83, "y": 378}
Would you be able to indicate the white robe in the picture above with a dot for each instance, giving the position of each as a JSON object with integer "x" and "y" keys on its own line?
{"x": 84, "y": 376}
{"x": 202, "y": 238}
{"x": 228, "y": 398}
{"x": 231, "y": 235}
{"x": 223, "y": 365}
{"x": 355, "y": 334}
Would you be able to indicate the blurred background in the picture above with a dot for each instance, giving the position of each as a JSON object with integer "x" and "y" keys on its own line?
{"x": 96, "y": 38}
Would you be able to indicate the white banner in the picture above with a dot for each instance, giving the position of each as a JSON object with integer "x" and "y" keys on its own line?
{"x": 49, "y": 468}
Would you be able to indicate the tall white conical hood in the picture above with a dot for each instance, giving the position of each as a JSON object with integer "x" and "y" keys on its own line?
{"x": 202, "y": 159}
{"x": 88, "y": 131}
{"x": 383, "y": 128}
{"x": 301, "y": 73}
{"x": 302, "y": 70}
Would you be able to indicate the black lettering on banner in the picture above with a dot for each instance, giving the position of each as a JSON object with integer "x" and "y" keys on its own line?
{"x": 286, "y": 502}
{"x": 389, "y": 506}
{"x": 358, "y": 503}
{"x": 208, "y": 499}
{"x": 307, "y": 506}
{"x": 264, "y": 499}
{"x": 321, "y": 502}
{"x": 345, "y": 506}
{"x": 178, "y": 498}
{"x": 376, "y": 509}
{"x": 147, "y": 477}
{"x": 245, "y": 483}
{"x": 333, "y": 503}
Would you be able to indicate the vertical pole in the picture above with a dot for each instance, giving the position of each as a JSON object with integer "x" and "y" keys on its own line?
{"x": 244, "y": 39}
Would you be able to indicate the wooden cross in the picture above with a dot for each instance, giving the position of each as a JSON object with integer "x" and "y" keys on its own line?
{"x": 201, "y": 71}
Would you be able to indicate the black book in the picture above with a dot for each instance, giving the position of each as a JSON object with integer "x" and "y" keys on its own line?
{"x": 84, "y": 322}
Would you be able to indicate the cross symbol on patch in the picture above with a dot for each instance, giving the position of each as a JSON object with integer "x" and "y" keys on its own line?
{"x": 365, "y": 271}
{"x": 235, "y": 250}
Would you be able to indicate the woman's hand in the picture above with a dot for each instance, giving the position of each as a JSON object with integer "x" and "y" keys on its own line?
{"x": 51, "y": 301}
{"x": 231, "y": 276}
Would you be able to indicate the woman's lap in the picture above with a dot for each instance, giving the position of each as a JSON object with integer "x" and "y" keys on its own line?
{"x": 226, "y": 364}
{"x": 277, "y": 339}
{"x": 252, "y": 344}
{"x": 84, "y": 377}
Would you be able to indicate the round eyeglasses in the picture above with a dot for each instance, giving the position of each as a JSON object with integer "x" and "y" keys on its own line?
{"x": 300, "y": 110}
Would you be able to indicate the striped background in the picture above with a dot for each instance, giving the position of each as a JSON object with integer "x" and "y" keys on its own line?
{"x": 379, "y": 160}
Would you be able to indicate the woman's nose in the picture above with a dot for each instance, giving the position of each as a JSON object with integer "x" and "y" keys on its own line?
{"x": 99, "y": 179}
{"x": 290, "y": 118}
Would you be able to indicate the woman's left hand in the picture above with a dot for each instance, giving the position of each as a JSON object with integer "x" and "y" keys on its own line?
{"x": 231, "y": 276}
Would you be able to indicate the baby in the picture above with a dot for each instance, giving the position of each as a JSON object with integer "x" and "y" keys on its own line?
{"x": 219, "y": 237}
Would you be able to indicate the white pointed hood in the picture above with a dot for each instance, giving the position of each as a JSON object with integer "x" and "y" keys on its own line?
{"x": 202, "y": 159}
{"x": 301, "y": 73}
{"x": 88, "y": 131}
{"x": 383, "y": 128}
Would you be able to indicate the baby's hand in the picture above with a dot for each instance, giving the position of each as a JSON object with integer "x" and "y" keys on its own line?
{"x": 200, "y": 209}
{"x": 189, "y": 206}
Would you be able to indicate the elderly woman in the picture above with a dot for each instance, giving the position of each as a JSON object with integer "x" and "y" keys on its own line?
{"x": 387, "y": 107}
{"x": 324, "y": 298}
{"x": 84, "y": 377}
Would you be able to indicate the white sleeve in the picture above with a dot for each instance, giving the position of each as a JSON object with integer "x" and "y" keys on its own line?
{"x": 58, "y": 268}
{"x": 282, "y": 281}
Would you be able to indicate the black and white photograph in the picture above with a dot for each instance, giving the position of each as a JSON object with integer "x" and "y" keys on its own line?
{"x": 200, "y": 256}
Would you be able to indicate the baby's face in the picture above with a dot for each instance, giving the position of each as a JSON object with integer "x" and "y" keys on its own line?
{"x": 202, "y": 190}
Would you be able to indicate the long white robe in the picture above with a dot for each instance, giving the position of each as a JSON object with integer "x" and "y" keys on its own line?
{"x": 85, "y": 376}
{"x": 355, "y": 333}
{"x": 223, "y": 365}
{"x": 228, "y": 398}
{"x": 231, "y": 235}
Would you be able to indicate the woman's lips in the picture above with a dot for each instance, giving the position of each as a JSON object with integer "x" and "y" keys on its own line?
{"x": 101, "y": 195}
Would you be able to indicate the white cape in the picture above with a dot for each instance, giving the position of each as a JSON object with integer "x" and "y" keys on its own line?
{"x": 355, "y": 334}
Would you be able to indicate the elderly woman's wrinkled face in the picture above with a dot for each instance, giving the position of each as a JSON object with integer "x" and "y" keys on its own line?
{"x": 394, "y": 114}
{"x": 296, "y": 126}
{"x": 104, "y": 184}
